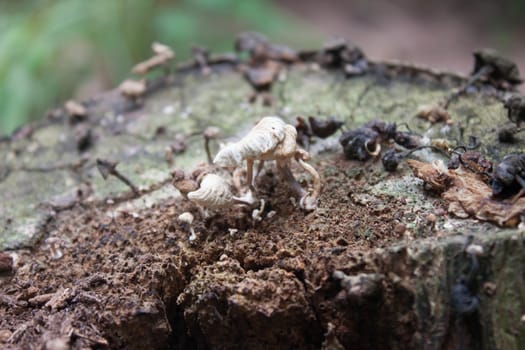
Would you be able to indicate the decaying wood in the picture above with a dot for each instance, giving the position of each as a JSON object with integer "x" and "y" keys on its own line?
{"x": 374, "y": 266}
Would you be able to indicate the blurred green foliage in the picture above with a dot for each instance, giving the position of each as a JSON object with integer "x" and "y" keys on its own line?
{"x": 51, "y": 51}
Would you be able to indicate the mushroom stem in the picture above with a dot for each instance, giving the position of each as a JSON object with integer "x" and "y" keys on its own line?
{"x": 310, "y": 198}
{"x": 249, "y": 174}
{"x": 287, "y": 174}
{"x": 260, "y": 167}
{"x": 193, "y": 235}
{"x": 248, "y": 199}
{"x": 211, "y": 132}
{"x": 207, "y": 148}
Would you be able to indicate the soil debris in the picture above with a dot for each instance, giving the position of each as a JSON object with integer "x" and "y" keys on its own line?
{"x": 6, "y": 263}
{"x": 434, "y": 114}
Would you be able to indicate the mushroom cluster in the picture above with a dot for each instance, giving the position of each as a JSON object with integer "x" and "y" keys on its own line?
{"x": 272, "y": 139}
{"x": 219, "y": 185}
{"x": 162, "y": 57}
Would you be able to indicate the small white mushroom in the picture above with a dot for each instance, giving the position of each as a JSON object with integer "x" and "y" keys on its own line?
{"x": 215, "y": 193}
{"x": 132, "y": 88}
{"x": 162, "y": 50}
{"x": 210, "y": 133}
{"x": 55, "y": 250}
{"x": 162, "y": 55}
{"x": 187, "y": 218}
{"x": 272, "y": 139}
{"x": 75, "y": 109}
{"x": 474, "y": 249}
{"x": 256, "y": 213}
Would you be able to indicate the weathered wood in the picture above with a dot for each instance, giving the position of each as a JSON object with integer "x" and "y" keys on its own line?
{"x": 45, "y": 174}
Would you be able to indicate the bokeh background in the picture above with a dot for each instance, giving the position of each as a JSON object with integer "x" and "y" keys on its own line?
{"x": 51, "y": 51}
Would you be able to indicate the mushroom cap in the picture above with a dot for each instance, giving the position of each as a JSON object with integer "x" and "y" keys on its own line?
{"x": 248, "y": 41}
{"x": 162, "y": 50}
{"x": 474, "y": 249}
{"x": 214, "y": 193}
{"x": 132, "y": 88}
{"x": 162, "y": 55}
{"x": 178, "y": 174}
{"x": 186, "y": 217}
{"x": 185, "y": 185}
{"x": 262, "y": 75}
{"x": 75, "y": 108}
{"x": 259, "y": 143}
{"x": 288, "y": 146}
{"x": 211, "y": 132}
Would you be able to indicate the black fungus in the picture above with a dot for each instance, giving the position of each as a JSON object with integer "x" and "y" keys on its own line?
{"x": 324, "y": 128}
{"x": 463, "y": 298}
{"x": 506, "y": 134}
{"x": 391, "y": 159}
{"x": 515, "y": 106}
{"x": 495, "y": 68}
{"x": 358, "y": 144}
{"x": 508, "y": 177}
{"x": 407, "y": 139}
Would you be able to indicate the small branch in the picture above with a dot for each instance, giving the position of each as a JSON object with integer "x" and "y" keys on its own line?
{"x": 107, "y": 168}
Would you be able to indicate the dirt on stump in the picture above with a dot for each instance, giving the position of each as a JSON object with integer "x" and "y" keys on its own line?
{"x": 136, "y": 281}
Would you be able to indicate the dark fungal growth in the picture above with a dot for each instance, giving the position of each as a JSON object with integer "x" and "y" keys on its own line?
{"x": 508, "y": 178}
{"x": 473, "y": 161}
{"x": 339, "y": 53}
{"x": 391, "y": 159}
{"x": 386, "y": 130}
{"x": 497, "y": 70}
{"x": 324, "y": 128}
{"x": 304, "y": 133}
{"x": 361, "y": 144}
{"x": 407, "y": 139}
{"x": 507, "y": 134}
{"x": 463, "y": 298}
{"x": 515, "y": 106}
{"x": 263, "y": 66}
{"x": 365, "y": 142}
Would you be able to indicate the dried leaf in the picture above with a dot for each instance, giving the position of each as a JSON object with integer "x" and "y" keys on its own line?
{"x": 434, "y": 114}
{"x": 467, "y": 195}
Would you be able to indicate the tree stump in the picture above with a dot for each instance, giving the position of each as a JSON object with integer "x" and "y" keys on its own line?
{"x": 374, "y": 267}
